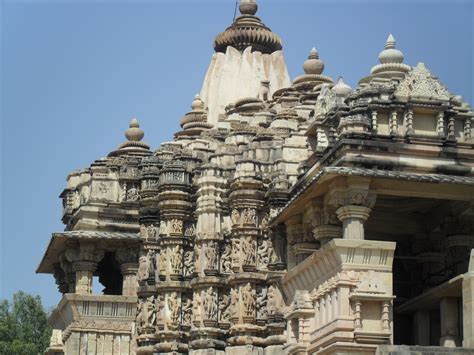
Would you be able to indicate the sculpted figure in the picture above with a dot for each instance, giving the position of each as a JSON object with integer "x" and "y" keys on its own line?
{"x": 248, "y": 300}
{"x": 226, "y": 263}
{"x": 248, "y": 216}
{"x": 211, "y": 255}
{"x": 197, "y": 254}
{"x": 234, "y": 302}
{"x": 142, "y": 268}
{"x": 263, "y": 253}
{"x": 176, "y": 226}
{"x": 151, "y": 263}
{"x": 173, "y": 306}
{"x": 141, "y": 315}
{"x": 150, "y": 311}
{"x": 224, "y": 308}
{"x": 151, "y": 232}
{"x": 132, "y": 194}
{"x": 176, "y": 259}
{"x": 262, "y": 302}
{"x": 187, "y": 309}
{"x": 197, "y": 307}
{"x": 188, "y": 263}
{"x": 235, "y": 252}
{"x": 248, "y": 248}
{"x": 210, "y": 305}
{"x": 163, "y": 261}
{"x": 235, "y": 216}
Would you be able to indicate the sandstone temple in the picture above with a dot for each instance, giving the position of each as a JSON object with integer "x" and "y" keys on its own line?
{"x": 285, "y": 217}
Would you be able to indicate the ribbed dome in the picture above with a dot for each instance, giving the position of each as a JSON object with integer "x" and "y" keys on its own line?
{"x": 248, "y": 31}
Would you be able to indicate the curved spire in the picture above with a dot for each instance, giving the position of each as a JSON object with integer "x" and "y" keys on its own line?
{"x": 248, "y": 31}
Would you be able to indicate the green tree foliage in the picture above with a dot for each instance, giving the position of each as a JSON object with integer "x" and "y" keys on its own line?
{"x": 23, "y": 326}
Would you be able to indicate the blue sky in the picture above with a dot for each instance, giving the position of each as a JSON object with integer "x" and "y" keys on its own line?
{"x": 73, "y": 74}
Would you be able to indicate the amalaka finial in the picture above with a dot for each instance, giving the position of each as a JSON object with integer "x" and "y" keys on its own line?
{"x": 248, "y": 7}
{"x": 197, "y": 103}
{"x": 390, "y": 54}
{"x": 313, "y": 65}
{"x": 134, "y": 133}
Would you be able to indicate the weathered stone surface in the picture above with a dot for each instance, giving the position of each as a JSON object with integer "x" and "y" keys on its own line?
{"x": 284, "y": 218}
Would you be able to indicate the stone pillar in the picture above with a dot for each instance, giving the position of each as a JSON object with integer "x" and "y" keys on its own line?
{"x": 409, "y": 122}
{"x": 374, "y": 121}
{"x": 449, "y": 322}
{"x": 294, "y": 232}
{"x": 325, "y": 222}
{"x": 354, "y": 200}
{"x": 421, "y": 327}
{"x": 128, "y": 259}
{"x": 84, "y": 258}
{"x": 468, "y": 304}
{"x": 393, "y": 123}
{"x": 440, "y": 124}
{"x": 129, "y": 273}
{"x": 353, "y": 219}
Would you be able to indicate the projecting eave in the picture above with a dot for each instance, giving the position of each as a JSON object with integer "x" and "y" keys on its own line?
{"x": 392, "y": 183}
{"x": 109, "y": 241}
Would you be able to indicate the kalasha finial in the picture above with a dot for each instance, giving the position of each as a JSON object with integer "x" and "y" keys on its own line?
{"x": 313, "y": 65}
{"x": 390, "y": 54}
{"x": 197, "y": 103}
{"x": 248, "y": 7}
{"x": 134, "y": 133}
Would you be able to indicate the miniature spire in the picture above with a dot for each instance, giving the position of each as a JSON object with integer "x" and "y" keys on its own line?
{"x": 248, "y": 7}
{"x": 133, "y": 145}
{"x": 341, "y": 88}
{"x": 313, "y": 65}
{"x": 390, "y": 54}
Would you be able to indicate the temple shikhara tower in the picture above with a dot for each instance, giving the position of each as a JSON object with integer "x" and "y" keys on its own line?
{"x": 285, "y": 217}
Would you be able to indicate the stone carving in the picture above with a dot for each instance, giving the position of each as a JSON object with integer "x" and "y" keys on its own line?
{"x": 187, "y": 310}
{"x": 151, "y": 232}
{"x": 264, "y": 252}
{"x": 248, "y": 250}
{"x": 210, "y": 303}
{"x": 248, "y": 216}
{"x": 420, "y": 83}
{"x": 224, "y": 307}
{"x": 143, "y": 267}
{"x": 326, "y": 101}
{"x": 197, "y": 317}
{"x": 176, "y": 226}
{"x": 133, "y": 194}
{"x": 197, "y": 257}
{"x": 176, "y": 259}
{"x": 225, "y": 260}
{"x": 235, "y": 252}
{"x": 234, "y": 302}
{"x": 262, "y": 301}
{"x": 173, "y": 308}
{"x": 190, "y": 231}
{"x": 248, "y": 300}
{"x": 162, "y": 267}
{"x": 235, "y": 217}
{"x": 188, "y": 263}
{"x": 211, "y": 255}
